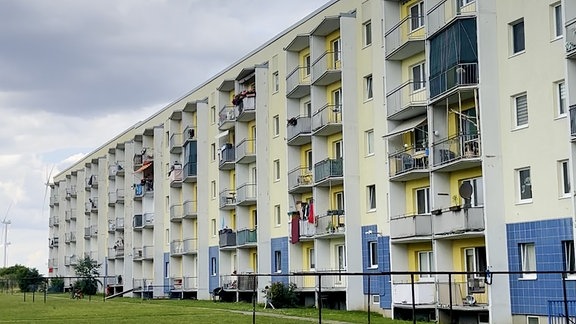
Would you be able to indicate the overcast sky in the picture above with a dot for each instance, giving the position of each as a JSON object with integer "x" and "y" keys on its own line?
{"x": 73, "y": 74}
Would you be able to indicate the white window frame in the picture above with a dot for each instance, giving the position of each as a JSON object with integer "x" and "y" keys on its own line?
{"x": 278, "y": 261}
{"x": 277, "y": 216}
{"x": 516, "y": 102}
{"x": 373, "y": 255}
{"x": 213, "y": 151}
{"x": 309, "y": 161}
{"x": 369, "y": 142}
{"x": 276, "y": 125}
{"x": 371, "y": 197}
{"x": 339, "y": 200}
{"x": 513, "y": 37}
{"x": 560, "y": 96}
{"x": 336, "y": 45}
{"x": 477, "y": 198}
{"x": 311, "y": 259}
{"x": 528, "y": 260}
{"x": 213, "y": 189}
{"x": 367, "y": 28}
{"x": 213, "y": 114}
{"x": 557, "y": 21}
{"x": 341, "y": 263}
{"x": 307, "y": 62}
{"x": 275, "y": 82}
{"x": 418, "y": 70}
{"x": 564, "y": 183}
{"x": 463, "y": 3}
{"x": 426, "y": 191}
{"x": 569, "y": 258}
{"x": 429, "y": 266}
{"x": 308, "y": 109}
{"x": 213, "y": 266}
{"x": 338, "y": 149}
{"x": 337, "y": 100}
{"x": 368, "y": 87}
{"x": 276, "y": 170}
{"x": 213, "y": 226}
{"x": 416, "y": 22}
{"x": 524, "y": 184}
{"x": 532, "y": 320}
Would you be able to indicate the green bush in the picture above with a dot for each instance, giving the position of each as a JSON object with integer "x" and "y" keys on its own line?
{"x": 283, "y": 296}
{"x": 56, "y": 284}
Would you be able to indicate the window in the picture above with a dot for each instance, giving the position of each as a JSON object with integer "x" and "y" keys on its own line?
{"x": 213, "y": 266}
{"x": 477, "y": 198}
{"x": 373, "y": 254}
{"x": 341, "y": 256}
{"x": 371, "y": 193}
{"x": 213, "y": 188}
{"x": 368, "y": 87}
{"x": 462, "y": 3}
{"x": 528, "y": 259}
{"x": 307, "y": 64}
{"x": 275, "y": 81}
{"x": 276, "y": 170}
{"x": 254, "y": 219}
{"x": 336, "y": 50}
{"x": 518, "y": 36}
{"x": 560, "y": 98}
{"x": 423, "y": 201}
{"x": 213, "y": 151}
{"x": 532, "y": 320}
{"x": 521, "y": 110}
{"x": 308, "y": 108}
{"x": 421, "y": 137}
{"x": 524, "y": 185}
{"x": 337, "y": 146}
{"x": 568, "y": 252}
{"x": 475, "y": 260}
{"x": 276, "y": 125}
{"x": 367, "y": 33}
{"x": 277, "y": 261}
{"x": 417, "y": 16}
{"x": 337, "y": 100}
{"x": 426, "y": 263}
{"x": 418, "y": 76}
{"x": 309, "y": 163}
{"x": 277, "y": 215}
{"x": 339, "y": 199}
{"x": 557, "y": 20}
{"x": 311, "y": 262}
{"x": 564, "y": 178}
{"x": 369, "y": 142}
{"x": 213, "y": 115}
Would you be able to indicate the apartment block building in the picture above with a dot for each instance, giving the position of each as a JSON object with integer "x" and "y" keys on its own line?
{"x": 372, "y": 136}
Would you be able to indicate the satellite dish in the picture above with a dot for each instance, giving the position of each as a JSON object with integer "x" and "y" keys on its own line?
{"x": 465, "y": 190}
{"x": 470, "y": 300}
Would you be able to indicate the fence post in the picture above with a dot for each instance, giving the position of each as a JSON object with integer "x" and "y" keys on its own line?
{"x": 319, "y": 298}
{"x": 413, "y": 298}
{"x": 565, "y": 298}
{"x": 254, "y": 299}
{"x": 369, "y": 294}
{"x": 450, "y": 295}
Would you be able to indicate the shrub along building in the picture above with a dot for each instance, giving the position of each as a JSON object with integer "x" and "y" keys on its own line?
{"x": 371, "y": 136}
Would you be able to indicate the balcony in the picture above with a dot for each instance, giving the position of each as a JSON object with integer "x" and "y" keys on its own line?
{"x": 407, "y": 100}
{"x": 54, "y": 221}
{"x": 190, "y": 246}
{"x": 227, "y": 117}
{"x": 300, "y": 180}
{"x": 246, "y": 194}
{"x": 137, "y": 253}
{"x": 424, "y": 294}
{"x": 71, "y": 192}
{"x": 326, "y": 69}
{"x": 176, "y": 213}
{"x": 570, "y": 36}
{"x": 246, "y": 108}
{"x": 458, "y": 220}
{"x": 190, "y": 209}
{"x": 116, "y": 252}
{"x": 327, "y": 120}
{"x": 190, "y": 283}
{"x": 53, "y": 201}
{"x": 459, "y": 292}
{"x": 573, "y": 122}
{"x": 406, "y": 38}
{"x": 54, "y": 241}
{"x": 115, "y": 169}
{"x": 176, "y": 175}
{"x": 227, "y": 238}
{"x": 189, "y": 134}
{"x": 176, "y": 248}
{"x": 70, "y": 214}
{"x": 328, "y": 172}
{"x": 70, "y": 237}
{"x": 333, "y": 282}
{"x": 410, "y": 226}
{"x": 460, "y": 75}
{"x": 408, "y": 165}
{"x": 176, "y": 142}
{"x": 227, "y": 157}
{"x": 299, "y": 130}
{"x": 120, "y": 196}
{"x": 91, "y": 206}
{"x": 145, "y": 157}
{"x": 91, "y": 182}
{"x": 190, "y": 171}
{"x": 148, "y": 220}
{"x": 111, "y": 225}
{"x": 111, "y": 254}
{"x": 246, "y": 238}
{"x": 148, "y": 252}
{"x": 137, "y": 223}
{"x": 445, "y": 12}
{"x": 120, "y": 224}
{"x": 177, "y": 284}
{"x": 143, "y": 285}
{"x": 246, "y": 151}
{"x": 70, "y": 260}
{"x": 457, "y": 152}
{"x": 53, "y": 263}
{"x": 227, "y": 199}
{"x": 301, "y": 229}
{"x": 331, "y": 224}
{"x": 298, "y": 83}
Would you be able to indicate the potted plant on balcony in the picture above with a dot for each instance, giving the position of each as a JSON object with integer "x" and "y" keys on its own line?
{"x": 456, "y": 207}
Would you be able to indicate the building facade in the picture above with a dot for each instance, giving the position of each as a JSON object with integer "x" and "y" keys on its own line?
{"x": 372, "y": 136}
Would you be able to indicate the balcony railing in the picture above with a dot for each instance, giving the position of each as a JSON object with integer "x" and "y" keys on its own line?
{"x": 463, "y": 146}
{"x": 71, "y": 192}
{"x": 300, "y": 179}
{"x": 91, "y": 182}
{"x": 190, "y": 171}
{"x": 246, "y": 194}
{"x": 424, "y": 293}
{"x": 247, "y": 108}
{"x": 326, "y": 68}
{"x": 176, "y": 213}
{"x": 111, "y": 225}
{"x": 189, "y": 134}
{"x": 407, "y": 160}
{"x": 410, "y": 94}
{"x": 299, "y": 130}
{"x": 54, "y": 221}
{"x": 70, "y": 214}
{"x": 138, "y": 253}
{"x": 445, "y": 11}
{"x": 328, "y": 168}
{"x": 246, "y": 237}
{"x": 298, "y": 82}
{"x": 301, "y": 227}
{"x": 327, "y": 120}
{"x": 69, "y": 237}
{"x": 148, "y": 220}
{"x": 227, "y": 117}
{"x": 227, "y": 157}
{"x": 148, "y": 252}
{"x": 175, "y": 175}
{"x": 190, "y": 246}
{"x": 406, "y": 38}
{"x": 190, "y": 283}
{"x": 227, "y": 199}
{"x": 120, "y": 195}
{"x": 333, "y": 282}
{"x": 573, "y": 121}
{"x": 120, "y": 223}
{"x": 458, "y": 220}
{"x": 176, "y": 141}
{"x": 116, "y": 252}
{"x": 459, "y": 292}
{"x": 246, "y": 151}
{"x": 70, "y": 260}
{"x": 142, "y": 285}
{"x": 459, "y": 75}
{"x": 570, "y": 36}
{"x": 54, "y": 241}
{"x": 53, "y": 263}
{"x": 333, "y": 222}
{"x": 410, "y": 226}
{"x": 227, "y": 238}
{"x": 190, "y": 209}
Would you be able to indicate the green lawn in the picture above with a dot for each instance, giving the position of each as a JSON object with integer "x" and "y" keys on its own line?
{"x": 59, "y": 308}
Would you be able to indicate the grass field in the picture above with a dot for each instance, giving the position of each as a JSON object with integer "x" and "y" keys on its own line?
{"x": 59, "y": 308}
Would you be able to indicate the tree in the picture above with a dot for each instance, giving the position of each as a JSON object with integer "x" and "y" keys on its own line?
{"x": 28, "y": 278}
{"x": 283, "y": 296}
{"x": 87, "y": 269}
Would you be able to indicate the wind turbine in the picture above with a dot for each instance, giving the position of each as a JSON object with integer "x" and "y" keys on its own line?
{"x": 6, "y": 243}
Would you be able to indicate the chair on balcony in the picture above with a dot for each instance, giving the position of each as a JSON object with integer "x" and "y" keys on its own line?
{"x": 407, "y": 162}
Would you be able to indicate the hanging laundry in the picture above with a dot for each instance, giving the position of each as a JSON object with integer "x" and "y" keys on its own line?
{"x": 311, "y": 212}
